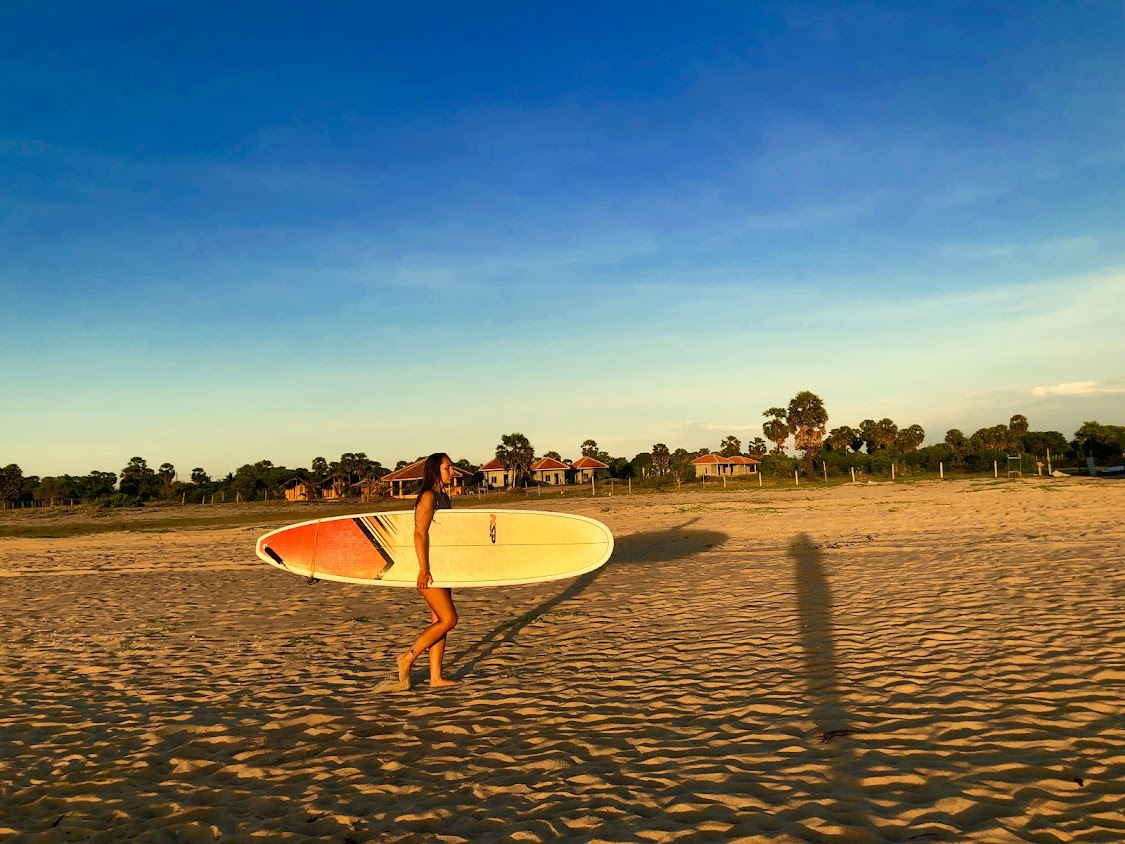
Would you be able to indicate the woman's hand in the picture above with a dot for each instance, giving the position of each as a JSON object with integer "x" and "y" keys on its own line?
{"x": 424, "y": 578}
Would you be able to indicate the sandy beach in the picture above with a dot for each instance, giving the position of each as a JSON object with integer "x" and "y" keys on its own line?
{"x": 934, "y": 662}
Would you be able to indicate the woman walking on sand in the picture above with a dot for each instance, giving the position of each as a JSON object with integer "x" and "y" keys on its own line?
{"x": 437, "y": 474}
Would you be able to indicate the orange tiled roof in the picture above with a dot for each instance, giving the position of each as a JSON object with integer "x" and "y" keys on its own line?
{"x": 718, "y": 458}
{"x": 413, "y": 472}
{"x": 709, "y": 458}
{"x": 548, "y": 463}
{"x": 491, "y": 466}
{"x": 588, "y": 463}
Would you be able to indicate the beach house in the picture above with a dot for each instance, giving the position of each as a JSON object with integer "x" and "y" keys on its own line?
{"x": 588, "y": 469}
{"x": 296, "y": 489}
{"x": 370, "y": 489}
{"x": 494, "y": 474}
{"x": 548, "y": 470}
{"x": 716, "y": 465}
{"x": 332, "y": 488}
{"x": 404, "y": 479}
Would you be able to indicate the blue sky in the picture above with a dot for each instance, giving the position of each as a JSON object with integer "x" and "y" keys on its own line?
{"x": 242, "y": 231}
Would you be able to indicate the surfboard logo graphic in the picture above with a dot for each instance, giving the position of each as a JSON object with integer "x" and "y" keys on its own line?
{"x": 492, "y": 528}
{"x": 379, "y": 531}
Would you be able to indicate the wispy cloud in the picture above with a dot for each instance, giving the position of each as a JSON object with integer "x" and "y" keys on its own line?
{"x": 718, "y": 427}
{"x": 820, "y": 215}
{"x": 976, "y": 250}
{"x": 1080, "y": 388}
{"x": 1070, "y": 246}
{"x": 1063, "y": 247}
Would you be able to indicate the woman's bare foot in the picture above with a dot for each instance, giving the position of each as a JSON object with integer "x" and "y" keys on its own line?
{"x": 404, "y": 661}
{"x": 442, "y": 681}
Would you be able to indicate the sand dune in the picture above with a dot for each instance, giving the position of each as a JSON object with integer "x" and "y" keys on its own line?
{"x": 928, "y": 662}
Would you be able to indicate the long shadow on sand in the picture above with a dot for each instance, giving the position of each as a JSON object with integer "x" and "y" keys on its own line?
{"x": 814, "y": 604}
{"x": 658, "y": 546}
{"x": 665, "y": 546}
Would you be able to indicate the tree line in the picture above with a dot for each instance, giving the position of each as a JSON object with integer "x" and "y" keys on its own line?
{"x": 798, "y": 432}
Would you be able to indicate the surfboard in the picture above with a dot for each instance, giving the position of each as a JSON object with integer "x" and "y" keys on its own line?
{"x": 467, "y": 548}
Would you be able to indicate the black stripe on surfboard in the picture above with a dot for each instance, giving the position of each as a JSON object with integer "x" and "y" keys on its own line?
{"x": 375, "y": 541}
{"x": 273, "y": 555}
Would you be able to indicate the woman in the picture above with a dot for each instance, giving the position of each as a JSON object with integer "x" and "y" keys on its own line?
{"x": 437, "y": 474}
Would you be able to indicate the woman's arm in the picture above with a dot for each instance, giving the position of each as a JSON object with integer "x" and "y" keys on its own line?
{"x": 423, "y": 516}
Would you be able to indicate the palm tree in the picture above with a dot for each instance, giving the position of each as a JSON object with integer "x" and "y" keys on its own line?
{"x": 878, "y": 435}
{"x": 517, "y": 454}
{"x": 867, "y": 434}
{"x": 808, "y": 420}
{"x": 356, "y": 466}
{"x": 842, "y": 438}
{"x": 730, "y": 446}
{"x": 660, "y": 458}
{"x": 909, "y": 439}
{"x": 138, "y": 479}
{"x": 775, "y": 427}
{"x": 957, "y": 443}
{"x": 680, "y": 461}
{"x": 11, "y": 483}
{"x": 1018, "y": 424}
{"x": 993, "y": 438}
{"x": 886, "y": 431}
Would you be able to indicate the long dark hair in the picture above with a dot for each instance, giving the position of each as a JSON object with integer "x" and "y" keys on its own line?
{"x": 431, "y": 473}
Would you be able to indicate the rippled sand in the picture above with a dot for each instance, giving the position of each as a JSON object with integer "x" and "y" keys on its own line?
{"x": 929, "y": 662}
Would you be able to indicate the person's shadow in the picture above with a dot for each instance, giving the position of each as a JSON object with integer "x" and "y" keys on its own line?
{"x": 818, "y": 649}
{"x": 649, "y": 547}
{"x": 821, "y": 675}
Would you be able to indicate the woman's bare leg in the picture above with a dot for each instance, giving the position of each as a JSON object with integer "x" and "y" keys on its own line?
{"x": 443, "y": 619}
{"x": 437, "y": 654}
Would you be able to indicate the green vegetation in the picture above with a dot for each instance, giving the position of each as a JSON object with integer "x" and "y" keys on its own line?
{"x": 516, "y": 453}
{"x": 807, "y": 420}
{"x": 871, "y": 449}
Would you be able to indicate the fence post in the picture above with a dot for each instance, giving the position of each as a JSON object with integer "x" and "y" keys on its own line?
{"x": 759, "y": 479}
{"x": 796, "y": 480}
{"x": 995, "y": 468}
{"x": 941, "y": 470}
{"x": 892, "y": 470}
{"x": 824, "y": 466}
{"x": 853, "y": 473}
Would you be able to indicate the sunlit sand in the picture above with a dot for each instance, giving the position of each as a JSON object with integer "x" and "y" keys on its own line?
{"x": 919, "y": 662}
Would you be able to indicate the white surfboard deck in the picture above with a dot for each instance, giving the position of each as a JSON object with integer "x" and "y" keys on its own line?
{"x": 468, "y": 548}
